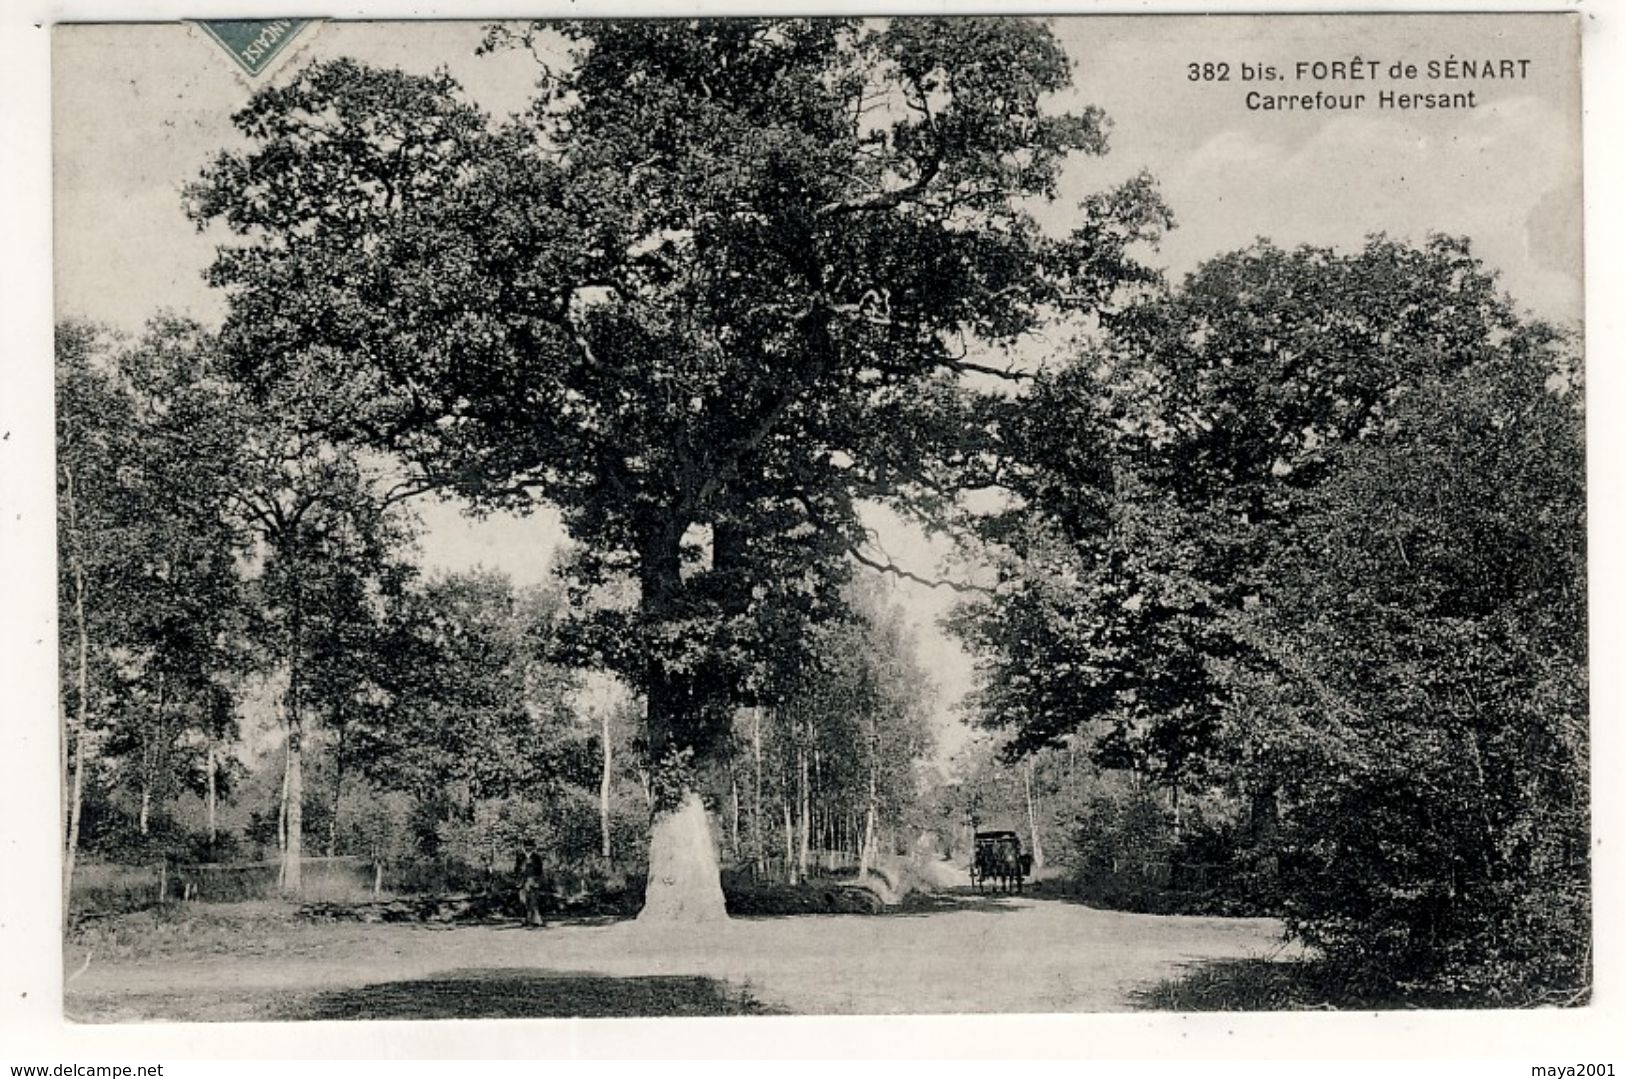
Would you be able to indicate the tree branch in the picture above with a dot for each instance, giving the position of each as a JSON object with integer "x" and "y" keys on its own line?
{"x": 930, "y": 582}
{"x": 883, "y": 200}
{"x": 982, "y": 369}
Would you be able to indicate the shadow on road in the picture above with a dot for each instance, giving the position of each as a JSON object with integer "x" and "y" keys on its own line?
{"x": 527, "y": 994}
{"x": 954, "y": 900}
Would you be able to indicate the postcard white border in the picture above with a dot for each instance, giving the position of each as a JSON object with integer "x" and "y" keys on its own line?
{"x": 31, "y": 1027}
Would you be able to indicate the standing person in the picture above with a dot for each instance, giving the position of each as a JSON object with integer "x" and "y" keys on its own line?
{"x": 528, "y": 868}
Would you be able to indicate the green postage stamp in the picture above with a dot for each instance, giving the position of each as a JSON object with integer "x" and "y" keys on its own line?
{"x": 253, "y": 43}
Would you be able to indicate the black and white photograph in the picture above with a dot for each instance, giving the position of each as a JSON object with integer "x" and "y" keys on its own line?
{"x": 753, "y": 516}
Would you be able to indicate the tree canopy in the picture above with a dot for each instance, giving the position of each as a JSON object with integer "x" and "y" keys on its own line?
{"x": 1312, "y": 531}
{"x": 725, "y": 275}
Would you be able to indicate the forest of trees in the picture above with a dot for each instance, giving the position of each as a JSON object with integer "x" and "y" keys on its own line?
{"x": 1278, "y": 571}
{"x": 1300, "y": 557}
{"x": 254, "y": 666}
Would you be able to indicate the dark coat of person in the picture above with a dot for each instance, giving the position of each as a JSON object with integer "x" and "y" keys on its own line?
{"x": 532, "y": 883}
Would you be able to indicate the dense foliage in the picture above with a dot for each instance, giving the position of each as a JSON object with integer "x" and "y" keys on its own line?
{"x": 715, "y": 287}
{"x": 1315, "y": 538}
{"x": 251, "y": 657}
{"x": 1288, "y": 570}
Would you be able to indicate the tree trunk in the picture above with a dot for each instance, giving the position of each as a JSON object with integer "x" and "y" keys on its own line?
{"x": 294, "y": 795}
{"x": 603, "y": 792}
{"x": 77, "y": 735}
{"x": 685, "y": 879}
{"x": 75, "y": 808}
{"x": 1032, "y": 819}
{"x": 756, "y": 793}
{"x": 293, "y": 786}
{"x": 733, "y": 799}
{"x": 685, "y": 876}
{"x": 338, "y": 786}
{"x": 1263, "y": 815}
{"x": 211, "y": 795}
{"x": 282, "y": 830}
{"x": 815, "y": 807}
{"x": 804, "y": 840}
{"x": 866, "y": 859}
{"x": 149, "y": 760}
{"x": 789, "y": 842}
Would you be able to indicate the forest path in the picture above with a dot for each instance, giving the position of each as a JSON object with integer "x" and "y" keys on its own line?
{"x": 964, "y": 953}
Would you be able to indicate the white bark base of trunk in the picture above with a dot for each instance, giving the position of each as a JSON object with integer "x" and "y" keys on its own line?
{"x": 685, "y": 880}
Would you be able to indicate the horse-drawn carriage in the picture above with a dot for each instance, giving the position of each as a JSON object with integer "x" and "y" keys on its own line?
{"x": 999, "y": 862}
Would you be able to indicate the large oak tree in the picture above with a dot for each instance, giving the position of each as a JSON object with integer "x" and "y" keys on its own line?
{"x": 724, "y": 280}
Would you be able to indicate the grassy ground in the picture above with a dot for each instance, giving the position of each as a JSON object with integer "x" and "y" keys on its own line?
{"x": 201, "y": 930}
{"x": 947, "y": 953}
{"x": 1275, "y": 984}
{"x": 459, "y": 994}
{"x": 1246, "y": 985}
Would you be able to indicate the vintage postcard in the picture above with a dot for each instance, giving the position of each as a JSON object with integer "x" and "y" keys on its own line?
{"x": 812, "y": 516}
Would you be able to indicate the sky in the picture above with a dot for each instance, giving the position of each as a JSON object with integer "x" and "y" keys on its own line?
{"x": 140, "y": 109}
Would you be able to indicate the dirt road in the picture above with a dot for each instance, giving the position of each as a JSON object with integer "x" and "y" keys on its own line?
{"x": 965, "y": 954}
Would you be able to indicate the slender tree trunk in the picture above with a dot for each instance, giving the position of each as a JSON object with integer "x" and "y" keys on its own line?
{"x": 603, "y": 791}
{"x": 1475, "y": 754}
{"x": 211, "y": 795}
{"x": 75, "y": 808}
{"x": 338, "y": 788}
{"x": 789, "y": 842}
{"x": 293, "y": 786}
{"x": 1032, "y": 818}
{"x": 804, "y": 841}
{"x": 866, "y": 859}
{"x": 733, "y": 799}
{"x": 77, "y": 734}
{"x": 143, "y": 820}
{"x": 76, "y": 797}
{"x": 756, "y": 792}
{"x": 150, "y": 740}
{"x": 282, "y": 828}
{"x": 294, "y": 793}
{"x": 816, "y": 807}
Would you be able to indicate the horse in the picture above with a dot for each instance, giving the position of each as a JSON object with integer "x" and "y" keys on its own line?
{"x": 998, "y": 860}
